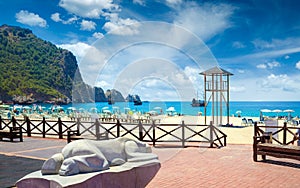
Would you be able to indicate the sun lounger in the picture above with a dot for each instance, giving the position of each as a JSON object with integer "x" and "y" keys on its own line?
{"x": 250, "y": 122}
{"x": 244, "y": 122}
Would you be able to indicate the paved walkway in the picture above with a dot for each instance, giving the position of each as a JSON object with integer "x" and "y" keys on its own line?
{"x": 231, "y": 166}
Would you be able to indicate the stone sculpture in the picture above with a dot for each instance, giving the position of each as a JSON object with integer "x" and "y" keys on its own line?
{"x": 84, "y": 156}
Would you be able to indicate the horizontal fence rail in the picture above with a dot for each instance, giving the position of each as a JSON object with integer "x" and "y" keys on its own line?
{"x": 149, "y": 131}
{"x": 282, "y": 135}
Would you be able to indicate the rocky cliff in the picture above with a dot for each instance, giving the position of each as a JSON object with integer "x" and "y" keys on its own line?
{"x": 34, "y": 70}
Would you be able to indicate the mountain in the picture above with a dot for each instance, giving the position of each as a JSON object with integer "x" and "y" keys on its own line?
{"x": 34, "y": 70}
{"x": 114, "y": 96}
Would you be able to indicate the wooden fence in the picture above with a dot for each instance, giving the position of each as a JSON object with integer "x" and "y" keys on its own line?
{"x": 148, "y": 132}
{"x": 282, "y": 135}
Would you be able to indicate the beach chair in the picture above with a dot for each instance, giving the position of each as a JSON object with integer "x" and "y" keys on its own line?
{"x": 250, "y": 122}
{"x": 244, "y": 122}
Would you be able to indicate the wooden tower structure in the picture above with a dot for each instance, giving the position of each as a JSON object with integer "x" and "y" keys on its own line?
{"x": 216, "y": 94}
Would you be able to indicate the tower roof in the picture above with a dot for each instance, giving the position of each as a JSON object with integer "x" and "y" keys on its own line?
{"x": 216, "y": 70}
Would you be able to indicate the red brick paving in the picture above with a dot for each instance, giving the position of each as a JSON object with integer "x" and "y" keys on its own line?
{"x": 231, "y": 166}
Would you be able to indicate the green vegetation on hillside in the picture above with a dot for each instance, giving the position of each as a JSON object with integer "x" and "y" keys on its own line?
{"x": 33, "y": 67}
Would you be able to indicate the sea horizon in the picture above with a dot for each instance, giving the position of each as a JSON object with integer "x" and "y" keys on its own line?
{"x": 246, "y": 108}
{"x": 236, "y": 108}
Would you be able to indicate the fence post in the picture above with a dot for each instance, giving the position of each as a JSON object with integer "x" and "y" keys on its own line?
{"x": 118, "y": 128}
{"x": 97, "y": 124}
{"x": 284, "y": 133}
{"x": 13, "y": 120}
{"x": 211, "y": 134}
{"x": 28, "y": 127}
{"x": 255, "y": 128}
{"x": 153, "y": 132}
{"x": 183, "y": 134}
{"x": 140, "y": 131}
{"x": 44, "y": 127}
{"x": 60, "y": 134}
{"x": 0, "y": 123}
{"x": 78, "y": 124}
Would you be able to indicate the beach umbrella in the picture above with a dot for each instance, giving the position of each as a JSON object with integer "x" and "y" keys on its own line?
{"x": 107, "y": 111}
{"x": 289, "y": 111}
{"x": 81, "y": 109}
{"x": 152, "y": 112}
{"x": 93, "y": 110}
{"x": 71, "y": 108}
{"x": 238, "y": 113}
{"x": 277, "y": 111}
{"x": 266, "y": 110}
{"x": 171, "y": 109}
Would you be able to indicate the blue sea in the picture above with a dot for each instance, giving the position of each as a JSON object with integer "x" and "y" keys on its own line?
{"x": 246, "y": 108}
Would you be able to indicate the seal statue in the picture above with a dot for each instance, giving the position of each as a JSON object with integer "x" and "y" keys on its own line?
{"x": 83, "y": 156}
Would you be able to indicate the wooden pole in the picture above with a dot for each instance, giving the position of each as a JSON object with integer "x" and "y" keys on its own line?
{"x": 97, "y": 124}
{"x": 284, "y": 133}
{"x": 211, "y": 134}
{"x": 153, "y": 133}
{"x": 183, "y": 134}
{"x": 44, "y": 127}
{"x": 60, "y": 134}
{"x": 28, "y": 127}
{"x": 118, "y": 128}
{"x": 140, "y": 131}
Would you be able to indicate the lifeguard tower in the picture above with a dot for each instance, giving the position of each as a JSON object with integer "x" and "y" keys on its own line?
{"x": 216, "y": 94}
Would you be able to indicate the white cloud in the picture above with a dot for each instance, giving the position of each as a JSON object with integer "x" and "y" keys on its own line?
{"x": 261, "y": 66}
{"x": 266, "y": 54}
{"x": 282, "y": 82}
{"x": 140, "y": 2}
{"x": 276, "y": 43}
{"x": 241, "y": 71}
{"x": 90, "y": 8}
{"x": 78, "y": 49}
{"x": 238, "y": 45}
{"x": 31, "y": 19}
{"x": 206, "y": 20}
{"x": 298, "y": 65}
{"x": 98, "y": 35}
{"x": 173, "y": 2}
{"x": 56, "y": 17}
{"x": 87, "y": 25}
{"x": 269, "y": 65}
{"x": 121, "y": 26}
{"x": 103, "y": 84}
{"x": 273, "y": 64}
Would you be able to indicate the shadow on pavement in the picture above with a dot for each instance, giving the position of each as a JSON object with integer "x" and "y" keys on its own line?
{"x": 13, "y": 168}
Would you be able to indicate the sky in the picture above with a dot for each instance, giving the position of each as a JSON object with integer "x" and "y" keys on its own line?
{"x": 157, "y": 48}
